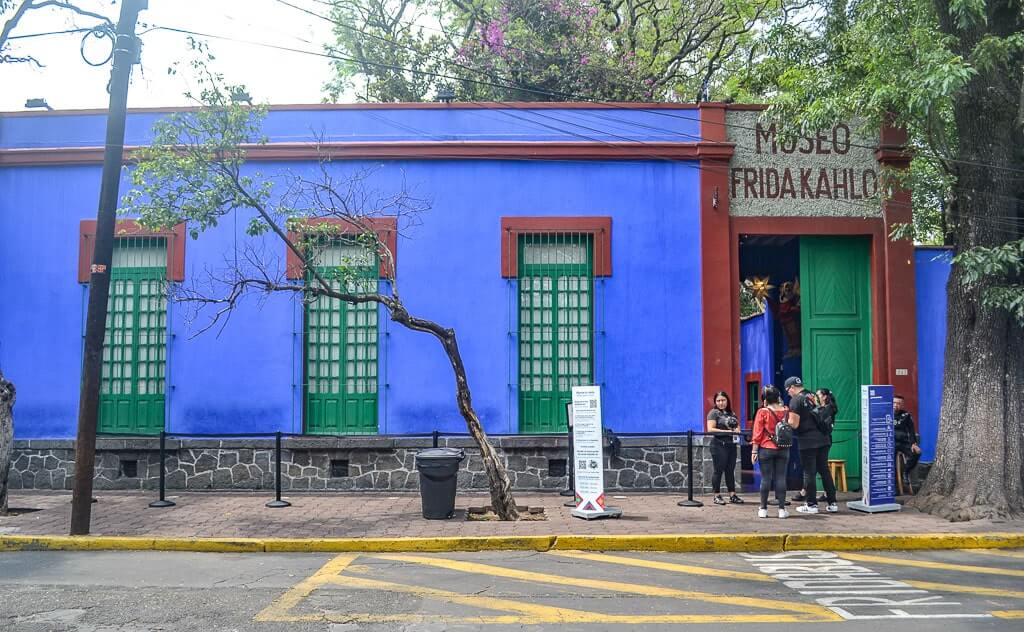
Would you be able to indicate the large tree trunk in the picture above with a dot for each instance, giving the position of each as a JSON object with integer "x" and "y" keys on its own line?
{"x": 978, "y": 470}
{"x": 7, "y": 396}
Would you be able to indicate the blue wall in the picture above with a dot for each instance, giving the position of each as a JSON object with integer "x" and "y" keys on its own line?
{"x": 932, "y": 265}
{"x": 248, "y": 378}
{"x": 757, "y": 352}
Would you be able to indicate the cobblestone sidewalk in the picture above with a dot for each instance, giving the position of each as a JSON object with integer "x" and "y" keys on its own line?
{"x": 364, "y": 515}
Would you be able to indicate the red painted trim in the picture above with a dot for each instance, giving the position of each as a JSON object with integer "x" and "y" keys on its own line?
{"x": 752, "y": 376}
{"x": 600, "y": 228}
{"x": 720, "y": 333}
{"x": 424, "y": 150}
{"x": 747, "y": 106}
{"x": 385, "y": 227}
{"x": 131, "y": 228}
{"x": 476, "y": 105}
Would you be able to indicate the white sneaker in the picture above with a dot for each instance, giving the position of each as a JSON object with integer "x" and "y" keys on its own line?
{"x": 808, "y": 509}
{"x": 762, "y": 513}
{"x": 783, "y": 513}
{"x": 832, "y": 508}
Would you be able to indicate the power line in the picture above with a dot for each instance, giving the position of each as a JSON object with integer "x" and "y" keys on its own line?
{"x": 514, "y": 86}
{"x": 48, "y": 33}
{"x": 403, "y": 69}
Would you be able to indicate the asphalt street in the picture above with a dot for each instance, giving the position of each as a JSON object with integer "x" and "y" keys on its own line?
{"x": 501, "y": 591}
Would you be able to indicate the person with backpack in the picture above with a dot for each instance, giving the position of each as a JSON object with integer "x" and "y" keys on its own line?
{"x": 826, "y": 409}
{"x": 813, "y": 444}
{"x": 770, "y": 443}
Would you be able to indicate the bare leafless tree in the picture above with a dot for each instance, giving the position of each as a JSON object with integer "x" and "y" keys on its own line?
{"x": 16, "y": 11}
{"x": 193, "y": 173}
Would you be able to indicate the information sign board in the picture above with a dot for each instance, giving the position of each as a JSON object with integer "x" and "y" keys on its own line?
{"x": 588, "y": 453}
{"x": 878, "y": 456}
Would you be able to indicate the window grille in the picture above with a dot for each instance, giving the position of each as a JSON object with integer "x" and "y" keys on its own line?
{"x": 341, "y": 345}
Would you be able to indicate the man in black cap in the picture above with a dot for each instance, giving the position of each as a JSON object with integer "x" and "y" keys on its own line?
{"x": 813, "y": 445}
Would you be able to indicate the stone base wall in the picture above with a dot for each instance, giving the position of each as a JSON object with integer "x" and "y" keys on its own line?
{"x": 348, "y": 464}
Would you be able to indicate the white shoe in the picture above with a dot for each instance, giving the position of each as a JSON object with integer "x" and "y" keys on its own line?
{"x": 762, "y": 513}
{"x": 783, "y": 513}
{"x": 808, "y": 509}
{"x": 832, "y": 508}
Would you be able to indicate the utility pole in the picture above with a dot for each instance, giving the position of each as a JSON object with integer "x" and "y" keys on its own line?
{"x": 126, "y": 50}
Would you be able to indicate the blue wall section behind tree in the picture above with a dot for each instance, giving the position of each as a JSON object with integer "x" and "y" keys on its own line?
{"x": 932, "y": 265}
{"x": 757, "y": 342}
{"x": 248, "y": 376}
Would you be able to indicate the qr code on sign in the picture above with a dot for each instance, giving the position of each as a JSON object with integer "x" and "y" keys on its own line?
{"x": 593, "y": 403}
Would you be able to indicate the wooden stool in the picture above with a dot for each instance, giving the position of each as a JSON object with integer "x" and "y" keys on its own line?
{"x": 901, "y": 467}
{"x": 837, "y": 468}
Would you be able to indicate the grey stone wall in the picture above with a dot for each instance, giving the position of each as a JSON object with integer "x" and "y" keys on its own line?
{"x": 359, "y": 463}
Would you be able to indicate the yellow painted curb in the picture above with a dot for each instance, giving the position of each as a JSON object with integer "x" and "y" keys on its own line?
{"x": 902, "y": 542}
{"x": 74, "y": 543}
{"x": 708, "y": 542}
{"x": 406, "y": 545}
{"x": 210, "y": 545}
{"x": 690, "y": 543}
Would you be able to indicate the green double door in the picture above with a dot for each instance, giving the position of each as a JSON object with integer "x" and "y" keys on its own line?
{"x": 835, "y": 324}
{"x": 556, "y": 332}
{"x": 132, "y": 389}
{"x": 341, "y": 355}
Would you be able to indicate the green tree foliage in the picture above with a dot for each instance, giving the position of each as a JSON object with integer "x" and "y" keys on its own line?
{"x": 879, "y": 61}
{"x": 540, "y": 50}
{"x": 951, "y": 73}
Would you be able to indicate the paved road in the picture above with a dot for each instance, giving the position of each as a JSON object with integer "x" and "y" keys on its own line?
{"x": 502, "y": 591}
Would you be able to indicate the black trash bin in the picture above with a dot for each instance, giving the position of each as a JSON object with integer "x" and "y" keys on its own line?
{"x": 439, "y": 469}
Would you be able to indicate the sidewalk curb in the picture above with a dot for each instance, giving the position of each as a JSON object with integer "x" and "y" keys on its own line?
{"x": 688, "y": 543}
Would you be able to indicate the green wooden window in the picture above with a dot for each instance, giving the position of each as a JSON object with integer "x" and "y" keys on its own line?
{"x": 132, "y": 389}
{"x": 556, "y": 292}
{"x": 753, "y": 399}
{"x": 341, "y": 347}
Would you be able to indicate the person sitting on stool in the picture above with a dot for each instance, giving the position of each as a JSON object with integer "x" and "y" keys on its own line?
{"x": 907, "y": 440}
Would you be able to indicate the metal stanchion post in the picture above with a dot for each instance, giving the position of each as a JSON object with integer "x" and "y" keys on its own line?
{"x": 163, "y": 502}
{"x": 437, "y": 437}
{"x": 277, "y": 502}
{"x": 689, "y": 502}
{"x": 570, "y": 489}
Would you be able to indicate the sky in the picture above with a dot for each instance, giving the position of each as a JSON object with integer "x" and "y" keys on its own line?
{"x": 271, "y": 76}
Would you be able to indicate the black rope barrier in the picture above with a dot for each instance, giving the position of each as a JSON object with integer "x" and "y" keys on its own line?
{"x": 434, "y": 435}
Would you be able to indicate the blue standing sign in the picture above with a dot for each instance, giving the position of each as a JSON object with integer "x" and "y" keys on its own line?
{"x": 878, "y": 451}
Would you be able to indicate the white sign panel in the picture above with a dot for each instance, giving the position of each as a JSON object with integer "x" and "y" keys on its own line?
{"x": 588, "y": 448}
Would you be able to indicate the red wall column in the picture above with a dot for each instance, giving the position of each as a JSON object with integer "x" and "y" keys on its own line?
{"x": 719, "y": 303}
{"x": 900, "y": 310}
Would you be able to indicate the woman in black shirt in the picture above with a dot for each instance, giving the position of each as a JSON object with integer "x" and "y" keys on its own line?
{"x": 725, "y": 427}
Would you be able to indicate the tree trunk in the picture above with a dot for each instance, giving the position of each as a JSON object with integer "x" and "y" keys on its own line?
{"x": 978, "y": 470}
{"x": 7, "y": 396}
{"x": 500, "y": 487}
